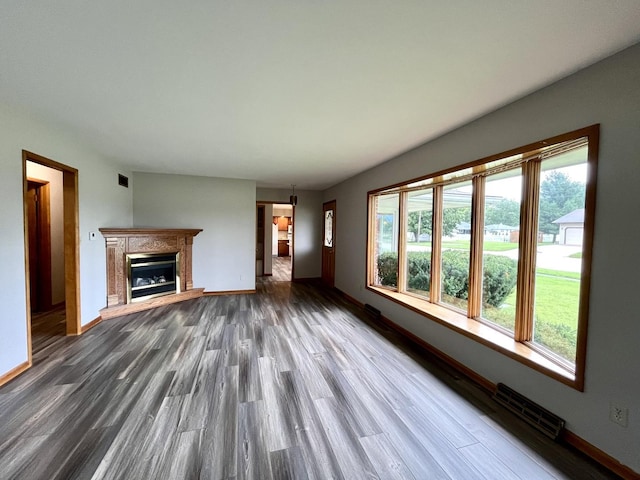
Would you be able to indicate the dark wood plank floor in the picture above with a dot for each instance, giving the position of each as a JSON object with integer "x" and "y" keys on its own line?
{"x": 46, "y": 328}
{"x": 289, "y": 383}
{"x": 280, "y": 269}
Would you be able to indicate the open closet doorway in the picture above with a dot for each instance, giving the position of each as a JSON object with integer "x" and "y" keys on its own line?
{"x": 51, "y": 248}
{"x": 275, "y": 253}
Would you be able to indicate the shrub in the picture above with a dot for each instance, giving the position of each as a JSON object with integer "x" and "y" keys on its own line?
{"x": 499, "y": 274}
{"x": 455, "y": 273}
{"x": 499, "y": 278}
{"x": 388, "y": 269}
{"x": 557, "y": 337}
{"x": 419, "y": 267}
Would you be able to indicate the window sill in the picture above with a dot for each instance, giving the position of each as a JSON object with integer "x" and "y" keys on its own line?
{"x": 481, "y": 333}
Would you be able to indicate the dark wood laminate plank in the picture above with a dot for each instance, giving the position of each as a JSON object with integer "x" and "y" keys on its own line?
{"x": 127, "y": 446}
{"x": 186, "y": 366}
{"x": 384, "y": 457}
{"x": 219, "y": 452}
{"x": 229, "y": 348}
{"x": 511, "y": 451}
{"x": 26, "y": 417}
{"x": 183, "y": 460}
{"x": 253, "y": 457}
{"x": 383, "y": 386}
{"x": 277, "y": 348}
{"x": 308, "y": 367}
{"x": 419, "y": 461}
{"x": 445, "y": 454}
{"x": 349, "y": 402}
{"x": 249, "y": 385}
{"x": 215, "y": 326}
{"x": 489, "y": 466}
{"x": 278, "y": 432}
{"x": 302, "y": 417}
{"x": 86, "y": 455}
{"x": 157, "y": 443}
{"x": 195, "y": 415}
{"x": 434, "y": 415}
{"x": 351, "y": 457}
{"x": 288, "y": 464}
{"x": 18, "y": 454}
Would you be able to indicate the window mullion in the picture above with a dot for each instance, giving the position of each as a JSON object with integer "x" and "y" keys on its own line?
{"x": 436, "y": 245}
{"x": 527, "y": 250}
{"x": 477, "y": 238}
{"x": 402, "y": 242}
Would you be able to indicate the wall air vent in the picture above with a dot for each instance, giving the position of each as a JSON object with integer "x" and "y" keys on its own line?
{"x": 123, "y": 181}
{"x": 372, "y": 311}
{"x": 532, "y": 413}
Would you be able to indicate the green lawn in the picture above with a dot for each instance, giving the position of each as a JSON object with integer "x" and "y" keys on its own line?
{"x": 576, "y": 255}
{"x": 464, "y": 245}
{"x": 556, "y": 311}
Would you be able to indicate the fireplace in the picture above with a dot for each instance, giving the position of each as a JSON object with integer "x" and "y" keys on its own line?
{"x": 151, "y": 275}
{"x": 147, "y": 268}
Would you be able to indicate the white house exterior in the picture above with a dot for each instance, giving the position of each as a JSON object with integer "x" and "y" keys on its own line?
{"x": 571, "y": 228}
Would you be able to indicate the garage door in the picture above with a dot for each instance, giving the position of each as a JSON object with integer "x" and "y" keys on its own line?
{"x": 573, "y": 236}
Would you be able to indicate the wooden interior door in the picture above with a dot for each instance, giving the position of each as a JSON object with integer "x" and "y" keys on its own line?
{"x": 38, "y": 216}
{"x": 328, "y": 243}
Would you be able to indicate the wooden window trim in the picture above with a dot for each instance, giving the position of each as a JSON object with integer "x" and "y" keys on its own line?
{"x": 476, "y": 252}
{"x": 435, "y": 288}
{"x": 518, "y": 346}
{"x": 402, "y": 241}
{"x": 525, "y": 297}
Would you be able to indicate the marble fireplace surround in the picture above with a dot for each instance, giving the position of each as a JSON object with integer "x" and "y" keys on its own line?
{"x": 123, "y": 241}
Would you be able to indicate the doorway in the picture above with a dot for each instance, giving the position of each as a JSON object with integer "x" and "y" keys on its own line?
{"x": 42, "y": 297}
{"x": 275, "y": 242}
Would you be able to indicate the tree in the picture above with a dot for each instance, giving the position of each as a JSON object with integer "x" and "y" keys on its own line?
{"x": 559, "y": 195}
{"x": 505, "y": 212}
{"x": 421, "y": 222}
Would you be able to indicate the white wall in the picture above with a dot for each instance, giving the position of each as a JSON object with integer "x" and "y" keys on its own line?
{"x": 606, "y": 93}
{"x": 224, "y": 252}
{"x": 54, "y": 177}
{"x": 102, "y": 202}
{"x": 307, "y": 256}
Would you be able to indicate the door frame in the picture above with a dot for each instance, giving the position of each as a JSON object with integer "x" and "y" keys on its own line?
{"x": 71, "y": 243}
{"x": 293, "y": 230}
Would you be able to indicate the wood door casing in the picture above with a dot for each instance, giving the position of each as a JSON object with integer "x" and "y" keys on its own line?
{"x": 328, "y": 243}
{"x": 260, "y": 227}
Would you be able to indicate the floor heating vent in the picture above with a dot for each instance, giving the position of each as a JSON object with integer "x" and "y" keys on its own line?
{"x": 373, "y": 312}
{"x": 542, "y": 419}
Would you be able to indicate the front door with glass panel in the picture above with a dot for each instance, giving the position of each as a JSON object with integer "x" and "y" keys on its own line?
{"x": 328, "y": 243}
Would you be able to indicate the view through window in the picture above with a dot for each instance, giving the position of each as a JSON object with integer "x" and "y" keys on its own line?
{"x": 505, "y": 242}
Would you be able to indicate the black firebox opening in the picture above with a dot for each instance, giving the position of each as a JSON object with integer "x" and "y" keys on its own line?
{"x": 152, "y": 275}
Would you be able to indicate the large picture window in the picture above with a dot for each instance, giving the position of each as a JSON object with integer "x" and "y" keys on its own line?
{"x": 498, "y": 249}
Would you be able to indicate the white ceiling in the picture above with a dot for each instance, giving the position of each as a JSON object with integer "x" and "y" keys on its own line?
{"x": 288, "y": 91}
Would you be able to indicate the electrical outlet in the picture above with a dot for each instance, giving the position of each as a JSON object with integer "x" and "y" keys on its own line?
{"x": 618, "y": 414}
